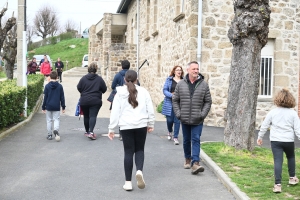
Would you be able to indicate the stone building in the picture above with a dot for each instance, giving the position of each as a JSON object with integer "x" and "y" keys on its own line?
{"x": 166, "y": 33}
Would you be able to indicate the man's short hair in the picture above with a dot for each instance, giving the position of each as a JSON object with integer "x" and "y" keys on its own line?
{"x": 125, "y": 64}
{"x": 53, "y": 75}
{"x": 192, "y": 62}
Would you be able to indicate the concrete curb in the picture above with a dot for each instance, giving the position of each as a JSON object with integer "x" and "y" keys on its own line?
{"x": 226, "y": 181}
{"x": 19, "y": 125}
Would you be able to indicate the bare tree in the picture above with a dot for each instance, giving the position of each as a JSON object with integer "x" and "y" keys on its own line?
{"x": 29, "y": 34}
{"x": 46, "y": 22}
{"x": 9, "y": 53}
{"x": 70, "y": 26}
{"x": 5, "y": 25}
{"x": 248, "y": 34}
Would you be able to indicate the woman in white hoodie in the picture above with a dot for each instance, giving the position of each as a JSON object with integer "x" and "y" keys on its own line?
{"x": 133, "y": 112}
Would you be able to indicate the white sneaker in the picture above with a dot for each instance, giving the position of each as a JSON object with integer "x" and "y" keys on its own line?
{"x": 293, "y": 180}
{"x": 169, "y": 136}
{"x": 140, "y": 179}
{"x": 56, "y": 134}
{"x": 176, "y": 142}
{"x": 127, "y": 186}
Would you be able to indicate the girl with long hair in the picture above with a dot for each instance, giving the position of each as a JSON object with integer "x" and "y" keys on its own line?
{"x": 133, "y": 112}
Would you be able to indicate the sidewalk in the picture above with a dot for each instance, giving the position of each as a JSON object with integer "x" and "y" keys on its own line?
{"x": 78, "y": 168}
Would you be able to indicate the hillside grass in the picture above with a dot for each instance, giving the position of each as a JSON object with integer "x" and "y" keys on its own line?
{"x": 63, "y": 51}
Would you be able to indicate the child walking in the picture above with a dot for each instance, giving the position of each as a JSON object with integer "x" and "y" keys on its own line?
{"x": 284, "y": 123}
{"x": 54, "y": 98}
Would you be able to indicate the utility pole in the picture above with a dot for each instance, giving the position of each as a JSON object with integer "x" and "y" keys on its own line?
{"x": 22, "y": 48}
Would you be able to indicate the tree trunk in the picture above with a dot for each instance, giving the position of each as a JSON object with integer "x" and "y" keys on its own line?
{"x": 9, "y": 69}
{"x": 248, "y": 34}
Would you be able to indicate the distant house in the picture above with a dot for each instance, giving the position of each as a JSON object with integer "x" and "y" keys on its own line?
{"x": 168, "y": 33}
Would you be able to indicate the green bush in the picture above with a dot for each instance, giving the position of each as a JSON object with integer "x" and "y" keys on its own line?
{"x": 53, "y": 40}
{"x": 12, "y": 98}
{"x": 35, "y": 86}
{"x": 66, "y": 36}
{"x": 159, "y": 107}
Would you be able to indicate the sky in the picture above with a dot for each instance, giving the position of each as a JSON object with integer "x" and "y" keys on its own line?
{"x": 84, "y": 13}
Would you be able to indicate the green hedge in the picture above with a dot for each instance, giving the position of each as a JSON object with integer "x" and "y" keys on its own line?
{"x": 35, "y": 87}
{"x": 12, "y": 98}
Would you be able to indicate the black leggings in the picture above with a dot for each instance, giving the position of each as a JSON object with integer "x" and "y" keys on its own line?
{"x": 90, "y": 116}
{"x": 289, "y": 149}
{"x": 134, "y": 143}
{"x": 59, "y": 76}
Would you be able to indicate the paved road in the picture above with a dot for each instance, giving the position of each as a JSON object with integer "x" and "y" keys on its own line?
{"x": 33, "y": 168}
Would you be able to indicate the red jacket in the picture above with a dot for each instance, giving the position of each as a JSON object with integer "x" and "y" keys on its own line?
{"x": 45, "y": 68}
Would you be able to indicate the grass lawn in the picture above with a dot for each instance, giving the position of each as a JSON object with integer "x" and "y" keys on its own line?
{"x": 253, "y": 171}
{"x": 63, "y": 51}
{"x": 2, "y": 74}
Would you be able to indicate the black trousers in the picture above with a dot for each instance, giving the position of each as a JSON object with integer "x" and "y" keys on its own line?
{"x": 289, "y": 149}
{"x": 90, "y": 113}
{"x": 59, "y": 76}
{"x": 134, "y": 144}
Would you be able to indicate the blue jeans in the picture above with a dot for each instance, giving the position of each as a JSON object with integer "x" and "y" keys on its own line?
{"x": 191, "y": 141}
{"x": 173, "y": 120}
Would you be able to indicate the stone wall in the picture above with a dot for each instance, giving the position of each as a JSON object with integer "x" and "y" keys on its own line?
{"x": 164, "y": 45}
{"x": 168, "y": 38}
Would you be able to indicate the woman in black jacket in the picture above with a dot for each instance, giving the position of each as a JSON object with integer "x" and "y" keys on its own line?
{"x": 91, "y": 88}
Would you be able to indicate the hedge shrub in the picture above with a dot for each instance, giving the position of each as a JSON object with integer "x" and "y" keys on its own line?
{"x": 12, "y": 98}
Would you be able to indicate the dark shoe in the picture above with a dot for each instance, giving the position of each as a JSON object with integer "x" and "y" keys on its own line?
{"x": 92, "y": 136}
{"x": 187, "y": 163}
{"x": 49, "y": 137}
{"x": 196, "y": 168}
{"x": 56, "y": 135}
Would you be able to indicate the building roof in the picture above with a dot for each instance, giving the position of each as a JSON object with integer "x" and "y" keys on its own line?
{"x": 123, "y": 7}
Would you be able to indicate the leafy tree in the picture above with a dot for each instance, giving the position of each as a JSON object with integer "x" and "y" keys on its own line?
{"x": 248, "y": 34}
{"x": 46, "y": 22}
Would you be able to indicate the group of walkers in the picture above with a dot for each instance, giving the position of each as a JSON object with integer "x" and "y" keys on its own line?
{"x": 187, "y": 102}
{"x": 45, "y": 67}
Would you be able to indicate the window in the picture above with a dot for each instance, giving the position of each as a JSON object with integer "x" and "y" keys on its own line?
{"x": 148, "y": 18}
{"x": 266, "y": 77}
{"x": 266, "y": 70}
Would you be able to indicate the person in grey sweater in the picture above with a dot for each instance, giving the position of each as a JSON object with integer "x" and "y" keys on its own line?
{"x": 284, "y": 123}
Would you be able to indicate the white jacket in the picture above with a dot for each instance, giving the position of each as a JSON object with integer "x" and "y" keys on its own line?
{"x": 284, "y": 124}
{"x": 127, "y": 117}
